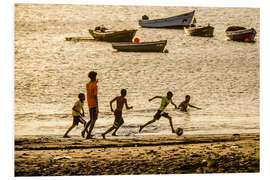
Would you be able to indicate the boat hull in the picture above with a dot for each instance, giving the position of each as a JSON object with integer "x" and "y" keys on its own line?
{"x": 205, "y": 31}
{"x": 247, "y": 35}
{"x": 114, "y": 36}
{"x": 156, "y": 46}
{"x": 180, "y": 21}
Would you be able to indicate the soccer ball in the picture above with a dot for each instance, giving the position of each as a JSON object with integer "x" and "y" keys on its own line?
{"x": 179, "y": 131}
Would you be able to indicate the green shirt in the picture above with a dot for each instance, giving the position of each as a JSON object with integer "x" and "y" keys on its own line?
{"x": 164, "y": 102}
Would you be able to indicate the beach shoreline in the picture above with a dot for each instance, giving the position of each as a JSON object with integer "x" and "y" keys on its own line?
{"x": 220, "y": 153}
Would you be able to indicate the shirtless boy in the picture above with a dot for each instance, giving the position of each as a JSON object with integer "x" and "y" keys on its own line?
{"x": 120, "y": 101}
{"x": 184, "y": 105}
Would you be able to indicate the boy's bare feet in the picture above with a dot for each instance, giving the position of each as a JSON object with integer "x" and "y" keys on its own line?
{"x": 89, "y": 137}
{"x": 83, "y": 133}
{"x": 66, "y": 136}
{"x": 103, "y": 135}
{"x": 140, "y": 128}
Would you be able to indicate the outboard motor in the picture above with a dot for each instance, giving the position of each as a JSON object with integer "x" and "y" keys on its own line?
{"x": 144, "y": 17}
{"x": 97, "y": 28}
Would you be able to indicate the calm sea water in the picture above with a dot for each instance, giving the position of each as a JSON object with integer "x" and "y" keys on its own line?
{"x": 221, "y": 76}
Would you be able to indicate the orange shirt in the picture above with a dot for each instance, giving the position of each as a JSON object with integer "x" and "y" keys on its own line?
{"x": 91, "y": 92}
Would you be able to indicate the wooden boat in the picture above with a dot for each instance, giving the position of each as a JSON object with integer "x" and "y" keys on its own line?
{"x": 113, "y": 36}
{"x": 155, "y": 46}
{"x": 203, "y": 31}
{"x": 179, "y": 21}
{"x": 238, "y": 33}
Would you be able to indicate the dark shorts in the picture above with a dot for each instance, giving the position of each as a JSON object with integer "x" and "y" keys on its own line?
{"x": 77, "y": 120}
{"x": 118, "y": 119}
{"x": 160, "y": 113}
{"x": 93, "y": 113}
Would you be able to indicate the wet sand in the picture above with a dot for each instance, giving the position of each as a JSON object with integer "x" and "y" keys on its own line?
{"x": 50, "y": 156}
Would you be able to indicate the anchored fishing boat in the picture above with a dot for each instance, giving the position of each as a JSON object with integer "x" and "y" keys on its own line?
{"x": 103, "y": 34}
{"x": 155, "y": 46}
{"x": 180, "y": 21}
{"x": 238, "y": 33}
{"x": 203, "y": 31}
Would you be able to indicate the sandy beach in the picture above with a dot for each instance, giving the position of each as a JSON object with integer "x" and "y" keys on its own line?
{"x": 44, "y": 156}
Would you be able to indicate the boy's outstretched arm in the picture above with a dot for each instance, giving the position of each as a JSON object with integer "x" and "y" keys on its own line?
{"x": 111, "y": 103}
{"x": 193, "y": 106}
{"x": 155, "y": 98}
{"x": 127, "y": 105}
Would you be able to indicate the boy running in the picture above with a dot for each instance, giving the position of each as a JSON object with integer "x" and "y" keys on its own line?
{"x": 77, "y": 115}
{"x": 165, "y": 100}
{"x": 92, "y": 100}
{"x": 120, "y": 101}
{"x": 184, "y": 105}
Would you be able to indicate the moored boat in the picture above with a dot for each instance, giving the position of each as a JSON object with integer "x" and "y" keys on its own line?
{"x": 155, "y": 46}
{"x": 179, "y": 21}
{"x": 113, "y": 36}
{"x": 203, "y": 31}
{"x": 238, "y": 33}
